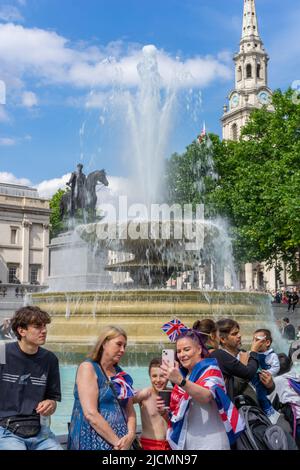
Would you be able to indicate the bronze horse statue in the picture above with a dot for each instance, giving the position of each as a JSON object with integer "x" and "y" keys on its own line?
{"x": 90, "y": 196}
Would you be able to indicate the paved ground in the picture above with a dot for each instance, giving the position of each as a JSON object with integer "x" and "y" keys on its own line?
{"x": 281, "y": 311}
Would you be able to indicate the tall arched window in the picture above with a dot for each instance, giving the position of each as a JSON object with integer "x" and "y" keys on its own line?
{"x": 234, "y": 132}
{"x": 239, "y": 74}
{"x": 248, "y": 71}
{"x": 258, "y": 69}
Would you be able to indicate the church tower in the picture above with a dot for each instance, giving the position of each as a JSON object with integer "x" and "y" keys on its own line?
{"x": 251, "y": 77}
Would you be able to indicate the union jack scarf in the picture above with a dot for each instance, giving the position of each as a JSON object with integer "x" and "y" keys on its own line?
{"x": 295, "y": 385}
{"x": 123, "y": 385}
{"x": 174, "y": 328}
{"x": 207, "y": 374}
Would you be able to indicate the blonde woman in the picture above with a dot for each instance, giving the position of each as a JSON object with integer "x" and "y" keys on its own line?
{"x": 101, "y": 388}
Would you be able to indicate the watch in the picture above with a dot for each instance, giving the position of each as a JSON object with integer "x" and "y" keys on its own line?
{"x": 182, "y": 383}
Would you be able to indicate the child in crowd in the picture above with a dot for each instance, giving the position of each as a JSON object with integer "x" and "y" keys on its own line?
{"x": 287, "y": 389}
{"x": 154, "y": 426}
{"x": 268, "y": 360}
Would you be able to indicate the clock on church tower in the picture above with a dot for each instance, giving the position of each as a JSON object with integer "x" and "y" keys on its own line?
{"x": 264, "y": 97}
{"x": 235, "y": 100}
{"x": 251, "y": 77}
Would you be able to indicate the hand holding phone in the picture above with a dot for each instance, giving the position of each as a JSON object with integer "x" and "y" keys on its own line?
{"x": 165, "y": 395}
{"x": 168, "y": 355}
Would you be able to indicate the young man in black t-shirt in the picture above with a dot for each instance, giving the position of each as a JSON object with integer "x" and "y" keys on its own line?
{"x": 29, "y": 384}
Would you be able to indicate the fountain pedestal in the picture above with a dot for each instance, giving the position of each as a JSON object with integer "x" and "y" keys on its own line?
{"x": 74, "y": 265}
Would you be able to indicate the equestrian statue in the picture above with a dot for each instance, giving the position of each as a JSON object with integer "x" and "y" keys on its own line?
{"x": 80, "y": 197}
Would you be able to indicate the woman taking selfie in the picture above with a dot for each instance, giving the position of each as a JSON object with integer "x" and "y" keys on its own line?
{"x": 199, "y": 408}
{"x": 103, "y": 416}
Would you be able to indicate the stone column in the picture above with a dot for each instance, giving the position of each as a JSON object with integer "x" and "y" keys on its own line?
{"x": 248, "y": 276}
{"x": 179, "y": 282}
{"x": 227, "y": 278}
{"x": 25, "y": 237}
{"x": 45, "y": 257}
{"x": 201, "y": 277}
{"x": 270, "y": 276}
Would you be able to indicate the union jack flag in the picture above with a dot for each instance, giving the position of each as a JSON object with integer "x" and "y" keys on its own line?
{"x": 123, "y": 385}
{"x": 202, "y": 136}
{"x": 174, "y": 328}
{"x": 207, "y": 374}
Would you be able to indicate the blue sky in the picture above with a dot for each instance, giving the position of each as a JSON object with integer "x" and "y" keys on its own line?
{"x": 63, "y": 60}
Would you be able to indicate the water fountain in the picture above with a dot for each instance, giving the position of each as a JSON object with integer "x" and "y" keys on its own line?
{"x": 155, "y": 249}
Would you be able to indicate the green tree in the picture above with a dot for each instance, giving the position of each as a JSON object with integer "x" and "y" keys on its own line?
{"x": 55, "y": 219}
{"x": 191, "y": 176}
{"x": 259, "y": 184}
{"x": 258, "y": 188}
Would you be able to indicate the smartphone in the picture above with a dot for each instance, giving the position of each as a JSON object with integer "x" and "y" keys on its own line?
{"x": 168, "y": 355}
{"x": 165, "y": 395}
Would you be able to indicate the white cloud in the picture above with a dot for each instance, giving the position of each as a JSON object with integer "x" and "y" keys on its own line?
{"x": 47, "y": 188}
{"x": 29, "y": 99}
{"x": 10, "y": 13}
{"x": 6, "y": 177}
{"x": 118, "y": 186}
{"x": 7, "y": 141}
{"x": 50, "y": 58}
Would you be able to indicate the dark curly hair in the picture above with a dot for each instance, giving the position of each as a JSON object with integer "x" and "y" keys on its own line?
{"x": 26, "y": 316}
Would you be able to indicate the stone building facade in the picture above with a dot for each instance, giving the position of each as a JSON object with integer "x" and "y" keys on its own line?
{"x": 24, "y": 235}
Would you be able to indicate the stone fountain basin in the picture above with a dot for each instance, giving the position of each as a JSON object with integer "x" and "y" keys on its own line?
{"x": 78, "y": 317}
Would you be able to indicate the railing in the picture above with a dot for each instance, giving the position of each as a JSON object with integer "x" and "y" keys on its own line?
{"x": 20, "y": 290}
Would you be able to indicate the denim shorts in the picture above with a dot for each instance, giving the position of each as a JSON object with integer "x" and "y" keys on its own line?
{"x": 45, "y": 440}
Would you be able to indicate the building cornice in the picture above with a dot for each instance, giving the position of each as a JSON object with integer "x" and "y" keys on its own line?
{"x": 24, "y": 210}
{"x": 247, "y": 109}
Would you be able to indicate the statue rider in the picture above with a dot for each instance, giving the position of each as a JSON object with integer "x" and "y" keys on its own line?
{"x": 77, "y": 185}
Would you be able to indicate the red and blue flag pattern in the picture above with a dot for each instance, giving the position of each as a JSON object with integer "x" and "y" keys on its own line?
{"x": 123, "y": 385}
{"x": 174, "y": 328}
{"x": 206, "y": 374}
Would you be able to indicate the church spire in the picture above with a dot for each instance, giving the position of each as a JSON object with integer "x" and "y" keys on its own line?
{"x": 250, "y": 23}
{"x": 251, "y": 76}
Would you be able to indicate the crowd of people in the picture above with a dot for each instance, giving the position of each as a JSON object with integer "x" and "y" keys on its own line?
{"x": 286, "y": 297}
{"x": 205, "y": 382}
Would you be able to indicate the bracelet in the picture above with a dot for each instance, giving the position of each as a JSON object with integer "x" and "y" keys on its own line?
{"x": 182, "y": 383}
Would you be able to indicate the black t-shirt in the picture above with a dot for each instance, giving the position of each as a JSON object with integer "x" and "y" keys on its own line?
{"x": 231, "y": 367}
{"x": 27, "y": 379}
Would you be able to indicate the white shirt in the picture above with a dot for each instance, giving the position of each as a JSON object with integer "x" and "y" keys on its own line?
{"x": 204, "y": 428}
{"x": 287, "y": 394}
{"x": 272, "y": 360}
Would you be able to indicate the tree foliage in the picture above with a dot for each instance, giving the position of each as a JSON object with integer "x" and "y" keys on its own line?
{"x": 55, "y": 219}
{"x": 258, "y": 188}
{"x": 191, "y": 176}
